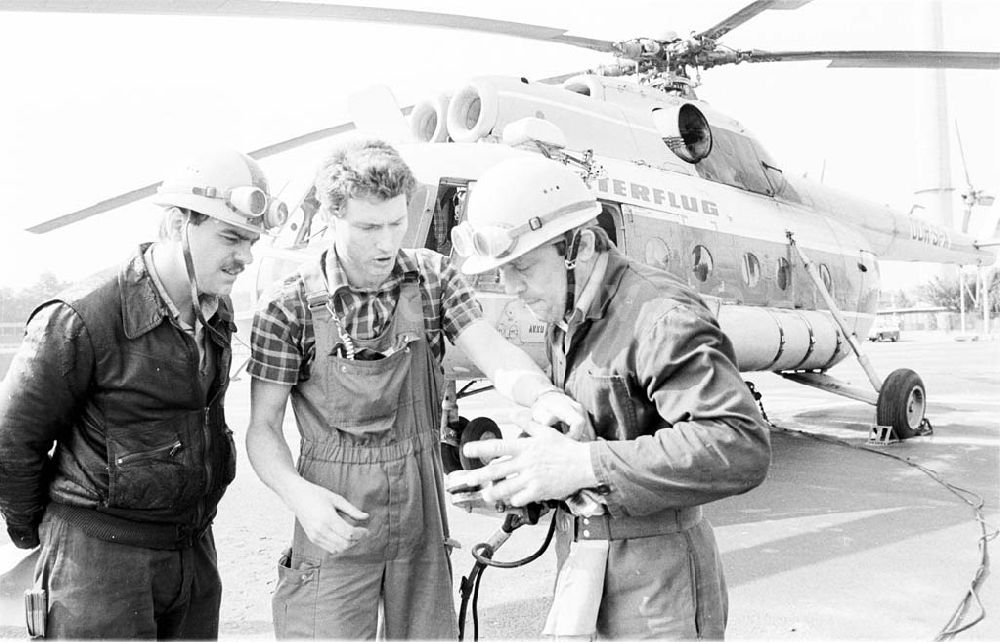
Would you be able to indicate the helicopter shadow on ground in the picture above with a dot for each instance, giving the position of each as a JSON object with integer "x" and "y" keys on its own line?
{"x": 822, "y": 501}
{"x": 962, "y": 444}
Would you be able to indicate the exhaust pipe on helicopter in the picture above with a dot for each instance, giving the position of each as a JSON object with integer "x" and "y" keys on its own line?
{"x": 685, "y": 131}
{"x": 429, "y": 120}
{"x": 586, "y": 85}
{"x": 472, "y": 112}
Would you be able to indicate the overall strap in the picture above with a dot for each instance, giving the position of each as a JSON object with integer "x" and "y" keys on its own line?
{"x": 326, "y": 325}
{"x": 316, "y": 291}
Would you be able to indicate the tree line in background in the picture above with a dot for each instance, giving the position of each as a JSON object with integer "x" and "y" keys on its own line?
{"x": 17, "y": 304}
{"x": 941, "y": 292}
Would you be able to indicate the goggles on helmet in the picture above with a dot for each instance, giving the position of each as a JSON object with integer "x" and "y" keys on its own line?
{"x": 248, "y": 202}
{"x": 252, "y": 203}
{"x": 497, "y": 241}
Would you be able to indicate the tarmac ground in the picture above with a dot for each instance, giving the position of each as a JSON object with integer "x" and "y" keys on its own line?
{"x": 842, "y": 541}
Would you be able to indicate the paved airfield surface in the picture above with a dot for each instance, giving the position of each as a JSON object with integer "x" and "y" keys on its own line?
{"x": 839, "y": 542}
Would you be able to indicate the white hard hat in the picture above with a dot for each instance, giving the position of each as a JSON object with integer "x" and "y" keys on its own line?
{"x": 227, "y": 185}
{"x": 518, "y": 205}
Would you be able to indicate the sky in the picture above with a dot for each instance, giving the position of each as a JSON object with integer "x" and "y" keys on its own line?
{"x": 96, "y": 105}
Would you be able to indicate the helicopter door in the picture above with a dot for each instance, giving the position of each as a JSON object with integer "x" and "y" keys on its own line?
{"x": 610, "y": 220}
{"x": 650, "y": 239}
{"x": 446, "y": 208}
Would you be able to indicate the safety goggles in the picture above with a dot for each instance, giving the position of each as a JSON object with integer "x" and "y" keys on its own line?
{"x": 497, "y": 241}
{"x": 489, "y": 241}
{"x": 252, "y": 203}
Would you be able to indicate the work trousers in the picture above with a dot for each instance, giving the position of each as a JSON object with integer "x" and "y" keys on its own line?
{"x": 101, "y": 589}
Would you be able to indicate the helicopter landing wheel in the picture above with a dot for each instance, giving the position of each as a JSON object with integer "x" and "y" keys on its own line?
{"x": 902, "y": 402}
{"x": 478, "y": 429}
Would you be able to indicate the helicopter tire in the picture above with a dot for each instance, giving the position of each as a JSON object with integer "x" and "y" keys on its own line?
{"x": 479, "y": 429}
{"x": 902, "y": 402}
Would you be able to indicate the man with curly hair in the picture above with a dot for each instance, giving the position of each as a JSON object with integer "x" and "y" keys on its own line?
{"x": 356, "y": 339}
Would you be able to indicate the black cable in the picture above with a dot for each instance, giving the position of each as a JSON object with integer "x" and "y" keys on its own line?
{"x": 475, "y": 605}
{"x": 463, "y": 392}
{"x": 482, "y": 551}
{"x": 466, "y": 586}
{"x": 757, "y": 396}
{"x": 951, "y": 628}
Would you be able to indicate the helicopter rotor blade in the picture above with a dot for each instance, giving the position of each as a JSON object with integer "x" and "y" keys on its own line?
{"x": 699, "y": 56}
{"x": 310, "y": 11}
{"x": 961, "y": 153}
{"x": 146, "y": 191}
{"x": 305, "y": 139}
{"x": 921, "y": 59}
{"x": 97, "y": 208}
{"x": 746, "y": 13}
{"x": 969, "y": 196}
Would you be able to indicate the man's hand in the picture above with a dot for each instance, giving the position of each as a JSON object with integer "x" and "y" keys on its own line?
{"x": 544, "y": 465}
{"x": 554, "y": 407}
{"x": 328, "y": 519}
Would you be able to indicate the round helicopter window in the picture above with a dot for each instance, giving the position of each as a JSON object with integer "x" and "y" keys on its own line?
{"x": 784, "y": 274}
{"x": 703, "y": 263}
{"x": 751, "y": 269}
{"x": 824, "y": 273}
{"x": 656, "y": 253}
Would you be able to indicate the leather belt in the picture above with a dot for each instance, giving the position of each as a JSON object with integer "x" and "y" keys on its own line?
{"x": 618, "y": 528}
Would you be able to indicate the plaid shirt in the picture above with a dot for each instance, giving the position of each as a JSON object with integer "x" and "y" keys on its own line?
{"x": 282, "y": 341}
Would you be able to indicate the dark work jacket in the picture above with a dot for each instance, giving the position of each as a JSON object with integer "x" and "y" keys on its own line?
{"x": 676, "y": 425}
{"x": 142, "y": 447}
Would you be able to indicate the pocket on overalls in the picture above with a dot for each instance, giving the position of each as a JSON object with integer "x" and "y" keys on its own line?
{"x": 294, "y": 603}
{"x": 363, "y": 397}
{"x": 654, "y": 589}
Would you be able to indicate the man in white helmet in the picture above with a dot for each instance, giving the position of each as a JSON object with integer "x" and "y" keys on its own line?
{"x": 125, "y": 375}
{"x": 675, "y": 425}
{"x": 355, "y": 339}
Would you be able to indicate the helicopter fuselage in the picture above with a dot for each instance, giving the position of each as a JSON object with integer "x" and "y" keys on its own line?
{"x": 720, "y": 225}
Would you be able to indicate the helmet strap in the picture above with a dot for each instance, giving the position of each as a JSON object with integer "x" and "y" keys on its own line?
{"x": 572, "y": 240}
{"x": 193, "y": 280}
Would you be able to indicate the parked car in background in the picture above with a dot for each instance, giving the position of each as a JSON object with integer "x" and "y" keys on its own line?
{"x": 884, "y": 329}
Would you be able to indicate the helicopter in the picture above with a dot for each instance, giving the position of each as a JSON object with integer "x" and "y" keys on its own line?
{"x": 789, "y": 266}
